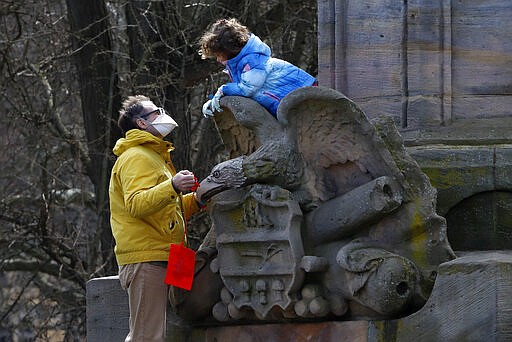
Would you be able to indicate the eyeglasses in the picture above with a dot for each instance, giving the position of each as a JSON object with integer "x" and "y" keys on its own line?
{"x": 159, "y": 111}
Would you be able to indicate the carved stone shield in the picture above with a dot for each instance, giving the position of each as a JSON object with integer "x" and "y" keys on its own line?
{"x": 259, "y": 246}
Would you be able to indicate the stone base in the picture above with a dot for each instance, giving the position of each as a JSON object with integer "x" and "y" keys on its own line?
{"x": 353, "y": 331}
{"x": 470, "y": 301}
{"x": 107, "y": 310}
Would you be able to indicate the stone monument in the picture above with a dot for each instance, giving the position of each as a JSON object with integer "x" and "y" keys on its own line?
{"x": 327, "y": 218}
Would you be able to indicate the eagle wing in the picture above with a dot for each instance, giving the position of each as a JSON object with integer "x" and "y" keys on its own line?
{"x": 238, "y": 139}
{"x": 340, "y": 148}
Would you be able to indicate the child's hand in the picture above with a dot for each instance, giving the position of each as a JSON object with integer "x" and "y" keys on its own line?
{"x": 207, "y": 109}
{"x": 213, "y": 105}
{"x": 216, "y": 100}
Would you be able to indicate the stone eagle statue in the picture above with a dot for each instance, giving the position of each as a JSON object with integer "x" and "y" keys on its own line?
{"x": 319, "y": 214}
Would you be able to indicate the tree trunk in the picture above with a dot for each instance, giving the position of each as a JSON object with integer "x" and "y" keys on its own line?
{"x": 91, "y": 41}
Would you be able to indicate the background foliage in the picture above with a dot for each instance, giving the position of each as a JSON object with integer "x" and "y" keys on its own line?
{"x": 65, "y": 66}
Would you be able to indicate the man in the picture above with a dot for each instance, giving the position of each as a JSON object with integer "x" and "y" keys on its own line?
{"x": 148, "y": 212}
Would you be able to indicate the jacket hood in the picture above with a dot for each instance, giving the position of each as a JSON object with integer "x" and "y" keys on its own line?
{"x": 135, "y": 137}
{"x": 253, "y": 45}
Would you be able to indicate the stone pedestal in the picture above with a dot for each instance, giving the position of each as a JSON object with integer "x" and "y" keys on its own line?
{"x": 470, "y": 302}
{"x": 107, "y": 310}
{"x": 354, "y": 331}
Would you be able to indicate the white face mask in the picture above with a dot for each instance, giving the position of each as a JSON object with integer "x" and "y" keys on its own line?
{"x": 164, "y": 124}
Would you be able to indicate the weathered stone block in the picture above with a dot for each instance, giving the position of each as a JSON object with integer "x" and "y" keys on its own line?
{"x": 107, "y": 310}
{"x": 456, "y": 54}
{"x": 470, "y": 302}
{"x": 474, "y": 192}
{"x": 355, "y": 331}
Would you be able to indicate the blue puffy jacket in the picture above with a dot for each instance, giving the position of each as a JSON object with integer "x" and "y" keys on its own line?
{"x": 265, "y": 79}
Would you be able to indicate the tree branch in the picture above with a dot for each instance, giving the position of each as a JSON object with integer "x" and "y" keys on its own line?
{"x": 56, "y": 119}
{"x": 45, "y": 267}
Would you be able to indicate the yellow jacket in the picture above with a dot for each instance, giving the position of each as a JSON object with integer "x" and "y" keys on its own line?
{"x": 146, "y": 213}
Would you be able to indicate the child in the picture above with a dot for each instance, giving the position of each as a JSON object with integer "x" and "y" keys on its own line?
{"x": 252, "y": 71}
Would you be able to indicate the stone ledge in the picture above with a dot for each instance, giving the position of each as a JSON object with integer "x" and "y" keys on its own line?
{"x": 475, "y": 132}
{"x": 353, "y": 331}
{"x": 458, "y": 172}
{"x": 470, "y": 302}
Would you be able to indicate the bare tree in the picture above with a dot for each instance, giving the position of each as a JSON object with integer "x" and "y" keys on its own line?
{"x": 47, "y": 210}
{"x": 65, "y": 66}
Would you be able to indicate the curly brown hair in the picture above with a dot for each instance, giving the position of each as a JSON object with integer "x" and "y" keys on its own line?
{"x": 225, "y": 36}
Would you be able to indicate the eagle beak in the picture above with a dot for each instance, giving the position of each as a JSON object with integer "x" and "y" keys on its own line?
{"x": 208, "y": 188}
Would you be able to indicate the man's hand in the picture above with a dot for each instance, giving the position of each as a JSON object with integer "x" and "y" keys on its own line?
{"x": 183, "y": 181}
